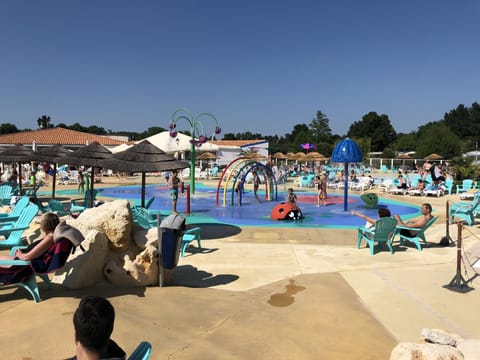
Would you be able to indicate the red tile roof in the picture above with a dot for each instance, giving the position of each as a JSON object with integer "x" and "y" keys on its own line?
{"x": 57, "y": 135}
{"x": 239, "y": 143}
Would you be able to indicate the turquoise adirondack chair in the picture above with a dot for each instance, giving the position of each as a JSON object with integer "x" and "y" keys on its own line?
{"x": 464, "y": 210}
{"x": 189, "y": 236}
{"x": 142, "y": 352}
{"x": 21, "y": 204}
{"x": 143, "y": 217}
{"x": 6, "y": 193}
{"x": 55, "y": 258}
{"x": 418, "y": 237}
{"x": 382, "y": 233}
{"x": 57, "y": 207}
{"x": 14, "y": 231}
{"x": 76, "y": 208}
{"x": 466, "y": 185}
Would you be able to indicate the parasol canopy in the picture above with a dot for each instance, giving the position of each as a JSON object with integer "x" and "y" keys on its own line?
{"x": 279, "y": 155}
{"x": 346, "y": 151}
{"x": 143, "y": 157}
{"x": 17, "y": 153}
{"x": 52, "y": 154}
{"x": 206, "y": 156}
{"x": 91, "y": 155}
{"x": 434, "y": 157}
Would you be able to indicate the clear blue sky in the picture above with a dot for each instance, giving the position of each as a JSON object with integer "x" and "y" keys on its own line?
{"x": 259, "y": 66}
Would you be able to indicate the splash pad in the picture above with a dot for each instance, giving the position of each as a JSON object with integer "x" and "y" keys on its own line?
{"x": 255, "y": 211}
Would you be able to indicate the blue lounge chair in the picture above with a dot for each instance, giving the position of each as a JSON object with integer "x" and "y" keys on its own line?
{"x": 189, "y": 236}
{"x": 142, "y": 352}
{"x": 57, "y": 207}
{"x": 15, "y": 213}
{"x": 21, "y": 224}
{"x": 382, "y": 233}
{"x": 418, "y": 237}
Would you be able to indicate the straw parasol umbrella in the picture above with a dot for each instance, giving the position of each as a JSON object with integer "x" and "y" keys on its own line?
{"x": 434, "y": 157}
{"x": 53, "y": 154}
{"x": 17, "y": 153}
{"x": 91, "y": 155}
{"x": 142, "y": 158}
{"x": 403, "y": 157}
{"x": 255, "y": 156}
{"x": 206, "y": 156}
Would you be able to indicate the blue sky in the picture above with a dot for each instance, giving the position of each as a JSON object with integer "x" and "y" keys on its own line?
{"x": 259, "y": 66}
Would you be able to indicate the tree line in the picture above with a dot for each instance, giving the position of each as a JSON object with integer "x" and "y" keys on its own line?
{"x": 456, "y": 133}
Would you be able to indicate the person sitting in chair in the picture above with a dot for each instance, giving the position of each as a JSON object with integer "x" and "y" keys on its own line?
{"x": 416, "y": 223}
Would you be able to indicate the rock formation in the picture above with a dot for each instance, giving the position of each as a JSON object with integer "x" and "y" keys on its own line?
{"x": 117, "y": 252}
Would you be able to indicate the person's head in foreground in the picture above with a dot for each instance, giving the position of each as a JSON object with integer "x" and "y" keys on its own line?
{"x": 49, "y": 222}
{"x": 93, "y": 322}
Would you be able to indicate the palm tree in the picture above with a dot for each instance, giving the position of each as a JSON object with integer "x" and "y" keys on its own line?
{"x": 44, "y": 122}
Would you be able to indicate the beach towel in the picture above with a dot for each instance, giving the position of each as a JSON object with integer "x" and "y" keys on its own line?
{"x": 53, "y": 259}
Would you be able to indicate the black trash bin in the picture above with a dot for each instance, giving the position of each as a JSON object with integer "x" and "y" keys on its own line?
{"x": 171, "y": 228}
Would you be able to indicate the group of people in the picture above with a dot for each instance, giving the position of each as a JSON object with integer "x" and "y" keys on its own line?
{"x": 415, "y": 223}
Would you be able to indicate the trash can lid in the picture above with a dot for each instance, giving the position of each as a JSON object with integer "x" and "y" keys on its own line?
{"x": 174, "y": 222}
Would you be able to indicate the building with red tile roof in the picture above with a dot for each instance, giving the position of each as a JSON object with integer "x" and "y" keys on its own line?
{"x": 68, "y": 138}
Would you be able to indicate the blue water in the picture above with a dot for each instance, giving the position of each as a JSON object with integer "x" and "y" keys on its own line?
{"x": 256, "y": 211}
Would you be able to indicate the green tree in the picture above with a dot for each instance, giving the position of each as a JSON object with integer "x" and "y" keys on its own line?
{"x": 322, "y": 133}
{"x": 437, "y": 138}
{"x": 44, "y": 122}
{"x": 406, "y": 142}
{"x": 8, "y": 128}
{"x": 377, "y": 127}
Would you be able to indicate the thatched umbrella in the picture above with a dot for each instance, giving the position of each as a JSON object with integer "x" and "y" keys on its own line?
{"x": 255, "y": 156}
{"x": 17, "y": 153}
{"x": 403, "y": 157}
{"x": 206, "y": 156}
{"x": 91, "y": 155}
{"x": 53, "y": 154}
{"x": 142, "y": 158}
{"x": 434, "y": 157}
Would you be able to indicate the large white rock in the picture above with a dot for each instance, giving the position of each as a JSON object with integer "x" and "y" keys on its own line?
{"x": 414, "y": 351}
{"x": 114, "y": 253}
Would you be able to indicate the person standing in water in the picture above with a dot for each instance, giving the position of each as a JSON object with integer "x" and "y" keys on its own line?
{"x": 173, "y": 183}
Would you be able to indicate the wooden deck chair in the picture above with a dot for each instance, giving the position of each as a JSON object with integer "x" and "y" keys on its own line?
{"x": 189, "y": 236}
{"x": 382, "y": 233}
{"x": 21, "y": 204}
{"x": 418, "y": 237}
{"x": 142, "y": 352}
{"x": 21, "y": 224}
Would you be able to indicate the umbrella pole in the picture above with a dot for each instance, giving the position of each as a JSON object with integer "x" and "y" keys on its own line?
{"x": 92, "y": 181}
{"x": 19, "y": 181}
{"x": 54, "y": 177}
{"x": 143, "y": 188}
{"x": 345, "y": 189}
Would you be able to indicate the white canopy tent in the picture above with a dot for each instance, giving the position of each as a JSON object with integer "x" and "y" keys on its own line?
{"x": 179, "y": 143}
{"x": 165, "y": 142}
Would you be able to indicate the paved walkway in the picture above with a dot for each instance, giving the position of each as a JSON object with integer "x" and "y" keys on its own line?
{"x": 267, "y": 293}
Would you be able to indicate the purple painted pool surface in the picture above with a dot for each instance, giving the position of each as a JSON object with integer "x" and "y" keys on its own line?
{"x": 256, "y": 211}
